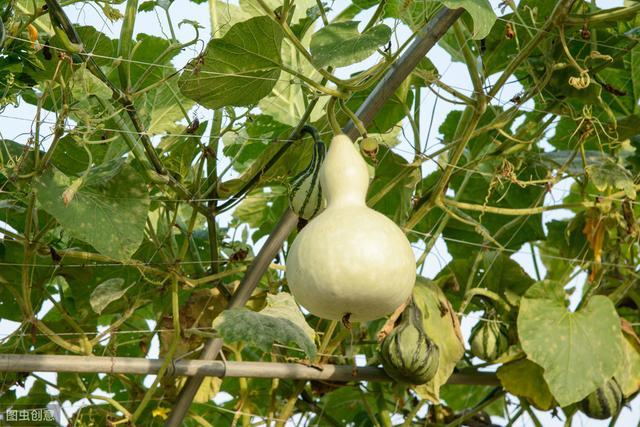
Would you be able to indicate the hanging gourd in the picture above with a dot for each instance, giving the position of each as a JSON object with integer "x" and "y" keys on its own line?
{"x": 350, "y": 262}
{"x": 305, "y": 193}
{"x": 489, "y": 339}
{"x": 605, "y": 402}
{"x": 407, "y": 353}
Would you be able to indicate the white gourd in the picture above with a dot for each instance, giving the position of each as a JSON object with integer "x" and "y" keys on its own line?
{"x": 349, "y": 260}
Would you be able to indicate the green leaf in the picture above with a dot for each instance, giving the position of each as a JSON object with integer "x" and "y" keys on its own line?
{"x": 70, "y": 157}
{"x": 481, "y": 13}
{"x": 635, "y": 71}
{"x": 107, "y": 292}
{"x": 483, "y": 188}
{"x": 238, "y": 69}
{"x": 565, "y": 241}
{"x": 84, "y": 84}
{"x": 181, "y": 150}
{"x": 611, "y": 176}
{"x": 442, "y": 327}
{"x": 160, "y": 107}
{"x": 228, "y": 14}
{"x": 392, "y": 111}
{"x": 109, "y": 212}
{"x": 280, "y": 322}
{"x": 577, "y": 350}
{"x": 341, "y": 44}
{"x": 413, "y": 13}
{"x": 523, "y": 378}
{"x": 459, "y": 397}
{"x": 287, "y": 101}
{"x": 147, "y": 6}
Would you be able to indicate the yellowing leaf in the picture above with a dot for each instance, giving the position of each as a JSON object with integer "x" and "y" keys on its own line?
{"x": 628, "y": 373}
{"x": 208, "y": 389}
{"x": 442, "y": 326}
{"x": 523, "y": 378}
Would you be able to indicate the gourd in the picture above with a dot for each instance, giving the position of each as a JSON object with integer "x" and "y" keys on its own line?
{"x": 489, "y": 339}
{"x": 350, "y": 262}
{"x": 603, "y": 403}
{"x": 407, "y": 353}
{"x": 370, "y": 146}
{"x": 305, "y": 193}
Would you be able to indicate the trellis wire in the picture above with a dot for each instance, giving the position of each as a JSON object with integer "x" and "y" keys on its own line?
{"x": 419, "y": 233}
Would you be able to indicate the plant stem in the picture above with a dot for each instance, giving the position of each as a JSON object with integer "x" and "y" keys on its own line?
{"x": 514, "y": 211}
{"x": 608, "y": 15}
{"x": 124, "y": 44}
{"x": 175, "y": 312}
{"x": 470, "y": 61}
{"x": 492, "y": 397}
{"x": 468, "y": 122}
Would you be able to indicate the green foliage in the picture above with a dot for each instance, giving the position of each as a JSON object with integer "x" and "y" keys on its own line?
{"x": 279, "y": 322}
{"x": 341, "y": 44}
{"x": 107, "y": 198}
{"x": 238, "y": 69}
{"x": 139, "y": 192}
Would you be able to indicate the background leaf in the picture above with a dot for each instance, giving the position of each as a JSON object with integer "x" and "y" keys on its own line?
{"x": 238, "y": 69}
{"x": 280, "y": 322}
{"x": 110, "y": 214}
{"x": 340, "y": 44}
{"x": 578, "y": 350}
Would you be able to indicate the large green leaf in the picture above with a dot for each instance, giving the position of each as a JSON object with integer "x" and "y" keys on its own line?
{"x": 280, "y": 322}
{"x": 481, "y": 13}
{"x": 341, "y": 44}
{"x": 287, "y": 101}
{"x": 238, "y": 69}
{"x": 577, "y": 350}
{"x": 108, "y": 210}
{"x": 159, "y": 108}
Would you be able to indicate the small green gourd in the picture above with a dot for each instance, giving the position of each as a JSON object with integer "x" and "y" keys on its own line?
{"x": 603, "y": 403}
{"x": 489, "y": 339}
{"x": 407, "y": 353}
{"x": 305, "y": 193}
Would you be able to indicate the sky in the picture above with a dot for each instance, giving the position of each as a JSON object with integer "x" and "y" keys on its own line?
{"x": 15, "y": 124}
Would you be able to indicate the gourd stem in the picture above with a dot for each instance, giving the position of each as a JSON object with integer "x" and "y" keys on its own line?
{"x": 331, "y": 115}
{"x": 358, "y": 123}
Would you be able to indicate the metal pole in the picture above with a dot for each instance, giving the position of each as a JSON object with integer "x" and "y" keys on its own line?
{"x": 424, "y": 41}
{"x": 211, "y": 368}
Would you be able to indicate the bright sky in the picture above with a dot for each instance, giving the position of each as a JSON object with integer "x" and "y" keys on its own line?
{"x": 15, "y": 123}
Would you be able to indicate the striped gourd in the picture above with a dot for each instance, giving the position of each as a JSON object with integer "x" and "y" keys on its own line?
{"x": 407, "y": 353}
{"x": 489, "y": 340}
{"x": 603, "y": 403}
{"x": 305, "y": 193}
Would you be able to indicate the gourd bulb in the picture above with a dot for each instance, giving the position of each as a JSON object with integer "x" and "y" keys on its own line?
{"x": 349, "y": 260}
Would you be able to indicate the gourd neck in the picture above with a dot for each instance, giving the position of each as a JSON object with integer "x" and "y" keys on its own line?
{"x": 344, "y": 177}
